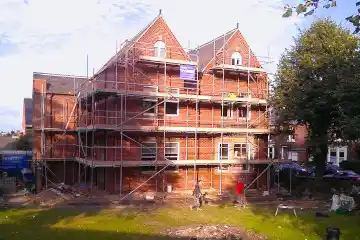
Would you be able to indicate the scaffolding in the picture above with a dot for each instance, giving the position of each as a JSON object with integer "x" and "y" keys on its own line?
{"x": 107, "y": 106}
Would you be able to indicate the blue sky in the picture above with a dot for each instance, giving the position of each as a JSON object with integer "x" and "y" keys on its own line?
{"x": 55, "y": 36}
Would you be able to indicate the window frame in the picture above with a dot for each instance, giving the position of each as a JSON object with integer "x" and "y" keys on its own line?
{"x": 172, "y": 101}
{"x": 248, "y": 149}
{"x": 142, "y": 147}
{"x": 150, "y": 99}
{"x": 178, "y": 150}
{"x": 236, "y": 59}
{"x": 157, "y": 49}
{"x": 229, "y": 112}
{"x": 248, "y": 117}
{"x": 219, "y": 151}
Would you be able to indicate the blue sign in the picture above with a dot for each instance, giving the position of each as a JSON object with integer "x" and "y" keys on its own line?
{"x": 15, "y": 161}
{"x": 187, "y": 72}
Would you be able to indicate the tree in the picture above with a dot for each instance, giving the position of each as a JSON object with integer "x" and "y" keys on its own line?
{"x": 317, "y": 84}
{"x": 24, "y": 143}
{"x": 308, "y": 7}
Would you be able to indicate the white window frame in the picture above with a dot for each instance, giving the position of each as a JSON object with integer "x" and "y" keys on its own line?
{"x": 271, "y": 154}
{"x": 219, "y": 151}
{"x": 291, "y": 138}
{"x": 337, "y": 151}
{"x": 178, "y": 150}
{"x": 291, "y": 154}
{"x": 158, "y": 46}
{"x": 150, "y": 99}
{"x": 229, "y": 112}
{"x": 248, "y": 150}
{"x": 236, "y": 58}
{"x": 244, "y": 118}
{"x": 177, "y": 91}
{"x": 142, "y": 147}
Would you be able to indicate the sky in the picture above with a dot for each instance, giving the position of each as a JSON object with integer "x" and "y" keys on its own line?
{"x": 55, "y": 36}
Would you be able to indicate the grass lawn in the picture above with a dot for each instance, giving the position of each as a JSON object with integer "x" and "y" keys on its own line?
{"x": 79, "y": 224}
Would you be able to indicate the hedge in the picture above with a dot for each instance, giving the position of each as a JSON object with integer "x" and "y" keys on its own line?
{"x": 351, "y": 165}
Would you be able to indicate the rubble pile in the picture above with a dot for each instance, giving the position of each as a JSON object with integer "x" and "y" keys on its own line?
{"x": 213, "y": 232}
{"x": 58, "y": 194}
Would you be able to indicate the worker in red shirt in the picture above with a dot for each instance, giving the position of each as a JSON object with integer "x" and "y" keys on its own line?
{"x": 240, "y": 192}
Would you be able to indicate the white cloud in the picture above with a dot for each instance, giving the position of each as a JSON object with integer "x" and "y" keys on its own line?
{"x": 55, "y": 35}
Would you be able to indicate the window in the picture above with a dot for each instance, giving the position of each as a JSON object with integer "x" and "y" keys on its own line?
{"x": 293, "y": 156}
{"x": 291, "y": 138}
{"x": 271, "y": 151}
{"x": 226, "y": 111}
{"x": 240, "y": 150}
{"x": 148, "y": 151}
{"x": 223, "y": 153}
{"x": 172, "y": 151}
{"x": 159, "y": 49}
{"x": 236, "y": 59}
{"x": 149, "y": 103}
{"x": 243, "y": 113}
{"x": 172, "y": 106}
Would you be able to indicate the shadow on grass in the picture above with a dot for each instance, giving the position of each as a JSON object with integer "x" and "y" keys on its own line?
{"x": 71, "y": 224}
{"x": 309, "y": 223}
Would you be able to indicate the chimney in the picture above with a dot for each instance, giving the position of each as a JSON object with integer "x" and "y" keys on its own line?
{"x": 237, "y": 25}
{"x": 160, "y": 11}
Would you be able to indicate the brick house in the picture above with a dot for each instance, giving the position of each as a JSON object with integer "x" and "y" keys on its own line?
{"x": 199, "y": 114}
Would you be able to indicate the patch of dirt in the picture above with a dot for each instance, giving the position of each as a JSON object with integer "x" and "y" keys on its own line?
{"x": 213, "y": 232}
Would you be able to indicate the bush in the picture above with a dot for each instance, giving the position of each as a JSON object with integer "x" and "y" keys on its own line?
{"x": 351, "y": 165}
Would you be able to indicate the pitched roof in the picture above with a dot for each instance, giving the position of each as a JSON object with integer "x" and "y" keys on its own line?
{"x": 61, "y": 84}
{"x": 28, "y": 111}
{"x": 126, "y": 45}
{"x": 7, "y": 143}
{"x": 129, "y": 43}
{"x": 206, "y": 50}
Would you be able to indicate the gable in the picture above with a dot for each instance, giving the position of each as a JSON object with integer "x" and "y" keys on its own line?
{"x": 159, "y": 30}
{"x": 234, "y": 42}
{"x": 237, "y": 43}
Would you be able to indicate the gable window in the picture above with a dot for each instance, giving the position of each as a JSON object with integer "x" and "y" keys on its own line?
{"x": 172, "y": 150}
{"x": 148, "y": 151}
{"x": 236, "y": 59}
{"x": 223, "y": 153}
{"x": 172, "y": 105}
{"x": 159, "y": 49}
{"x": 149, "y": 103}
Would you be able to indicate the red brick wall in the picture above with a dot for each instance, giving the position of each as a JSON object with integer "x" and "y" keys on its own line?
{"x": 58, "y": 108}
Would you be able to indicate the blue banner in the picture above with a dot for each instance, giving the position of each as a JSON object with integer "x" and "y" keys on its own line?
{"x": 15, "y": 161}
{"x": 187, "y": 72}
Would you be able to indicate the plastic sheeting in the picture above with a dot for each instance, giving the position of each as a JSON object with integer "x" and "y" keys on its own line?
{"x": 342, "y": 202}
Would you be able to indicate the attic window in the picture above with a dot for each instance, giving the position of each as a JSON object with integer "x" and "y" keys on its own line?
{"x": 159, "y": 49}
{"x": 236, "y": 59}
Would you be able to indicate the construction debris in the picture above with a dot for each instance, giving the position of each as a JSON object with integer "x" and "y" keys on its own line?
{"x": 213, "y": 232}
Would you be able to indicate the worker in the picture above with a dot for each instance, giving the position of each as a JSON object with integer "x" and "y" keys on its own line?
{"x": 197, "y": 196}
{"x": 240, "y": 192}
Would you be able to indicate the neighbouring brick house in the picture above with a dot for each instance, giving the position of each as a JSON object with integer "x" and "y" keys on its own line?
{"x": 27, "y": 116}
{"x": 294, "y": 147}
{"x": 199, "y": 114}
{"x": 53, "y": 102}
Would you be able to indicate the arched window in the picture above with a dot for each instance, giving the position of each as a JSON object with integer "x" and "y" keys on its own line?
{"x": 236, "y": 59}
{"x": 159, "y": 49}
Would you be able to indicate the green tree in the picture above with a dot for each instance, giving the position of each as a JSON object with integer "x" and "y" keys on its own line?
{"x": 24, "y": 143}
{"x": 308, "y": 7}
{"x": 317, "y": 84}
